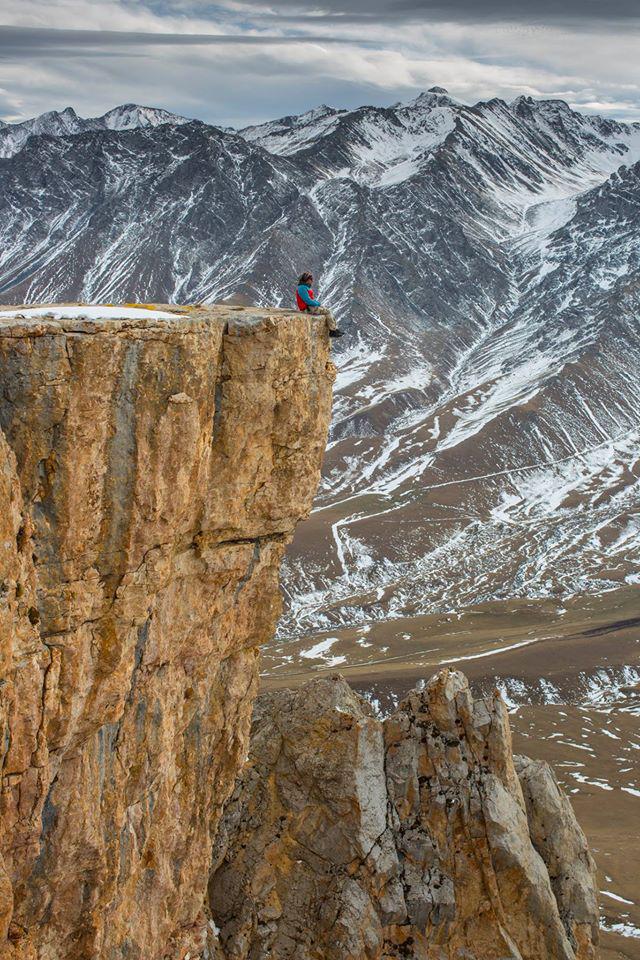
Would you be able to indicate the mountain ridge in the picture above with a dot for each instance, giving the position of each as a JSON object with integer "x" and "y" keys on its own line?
{"x": 66, "y": 122}
{"x": 483, "y": 262}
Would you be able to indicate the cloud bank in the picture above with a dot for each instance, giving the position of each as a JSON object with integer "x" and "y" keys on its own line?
{"x": 238, "y": 61}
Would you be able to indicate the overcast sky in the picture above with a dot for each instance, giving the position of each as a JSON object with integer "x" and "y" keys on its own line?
{"x": 237, "y": 62}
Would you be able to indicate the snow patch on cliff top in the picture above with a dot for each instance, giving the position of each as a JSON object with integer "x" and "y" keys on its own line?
{"x": 89, "y": 313}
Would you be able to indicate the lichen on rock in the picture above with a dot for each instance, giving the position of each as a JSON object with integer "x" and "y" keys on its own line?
{"x": 348, "y": 837}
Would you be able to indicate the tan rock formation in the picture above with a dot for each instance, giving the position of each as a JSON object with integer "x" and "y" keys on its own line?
{"x": 157, "y": 469}
{"x": 351, "y": 838}
{"x": 558, "y": 838}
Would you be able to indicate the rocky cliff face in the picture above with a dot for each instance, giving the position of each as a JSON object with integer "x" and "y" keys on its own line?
{"x": 414, "y": 838}
{"x": 152, "y": 469}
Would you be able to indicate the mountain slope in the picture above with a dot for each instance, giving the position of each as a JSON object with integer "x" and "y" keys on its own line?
{"x": 484, "y": 263}
{"x": 176, "y": 213}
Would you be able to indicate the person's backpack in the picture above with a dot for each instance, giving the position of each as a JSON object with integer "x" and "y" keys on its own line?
{"x": 301, "y": 304}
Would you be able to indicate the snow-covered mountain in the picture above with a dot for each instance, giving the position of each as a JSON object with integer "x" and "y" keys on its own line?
{"x": 67, "y": 123}
{"x": 484, "y": 261}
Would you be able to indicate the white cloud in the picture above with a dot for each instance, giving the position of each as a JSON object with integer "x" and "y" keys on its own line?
{"x": 379, "y": 62}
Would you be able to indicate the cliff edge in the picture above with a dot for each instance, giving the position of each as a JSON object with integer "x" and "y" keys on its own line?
{"x": 153, "y": 466}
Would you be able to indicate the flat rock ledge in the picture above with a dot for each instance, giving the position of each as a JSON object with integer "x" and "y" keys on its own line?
{"x": 419, "y": 836}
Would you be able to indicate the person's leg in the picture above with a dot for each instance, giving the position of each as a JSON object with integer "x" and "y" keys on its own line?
{"x": 331, "y": 323}
{"x": 332, "y": 326}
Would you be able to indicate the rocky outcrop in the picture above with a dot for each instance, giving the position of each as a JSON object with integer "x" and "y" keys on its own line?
{"x": 414, "y": 838}
{"x": 151, "y": 472}
{"x": 558, "y": 838}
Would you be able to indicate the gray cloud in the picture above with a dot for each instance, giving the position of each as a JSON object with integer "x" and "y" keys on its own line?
{"x": 18, "y": 41}
{"x": 469, "y": 11}
{"x": 241, "y": 61}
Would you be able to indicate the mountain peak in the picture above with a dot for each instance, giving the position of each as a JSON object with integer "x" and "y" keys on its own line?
{"x": 67, "y": 123}
{"x": 549, "y": 106}
{"x": 434, "y": 96}
{"x": 317, "y": 113}
{"x": 134, "y": 115}
{"x": 67, "y": 114}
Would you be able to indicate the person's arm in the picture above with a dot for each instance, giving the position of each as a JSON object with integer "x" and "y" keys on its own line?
{"x": 304, "y": 295}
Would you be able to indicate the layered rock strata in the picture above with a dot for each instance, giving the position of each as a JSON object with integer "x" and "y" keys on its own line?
{"x": 418, "y": 838}
{"x": 151, "y": 473}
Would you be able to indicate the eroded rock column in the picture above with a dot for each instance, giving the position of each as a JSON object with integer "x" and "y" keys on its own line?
{"x": 156, "y": 470}
{"x": 351, "y": 839}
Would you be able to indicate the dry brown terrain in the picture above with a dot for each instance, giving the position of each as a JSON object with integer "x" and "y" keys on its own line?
{"x": 569, "y": 673}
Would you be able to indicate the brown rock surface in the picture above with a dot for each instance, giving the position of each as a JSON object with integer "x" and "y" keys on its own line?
{"x": 152, "y": 473}
{"x": 347, "y": 837}
{"x": 558, "y": 838}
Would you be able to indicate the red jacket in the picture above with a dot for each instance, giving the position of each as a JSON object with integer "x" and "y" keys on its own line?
{"x": 301, "y": 304}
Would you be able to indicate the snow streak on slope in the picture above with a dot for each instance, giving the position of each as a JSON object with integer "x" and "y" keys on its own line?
{"x": 290, "y": 134}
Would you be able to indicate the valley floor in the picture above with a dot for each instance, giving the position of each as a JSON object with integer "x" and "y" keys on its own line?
{"x": 570, "y": 674}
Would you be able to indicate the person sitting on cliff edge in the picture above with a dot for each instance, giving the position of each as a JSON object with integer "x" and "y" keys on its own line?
{"x": 307, "y": 303}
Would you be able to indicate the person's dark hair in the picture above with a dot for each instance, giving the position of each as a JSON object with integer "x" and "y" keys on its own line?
{"x": 305, "y": 277}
